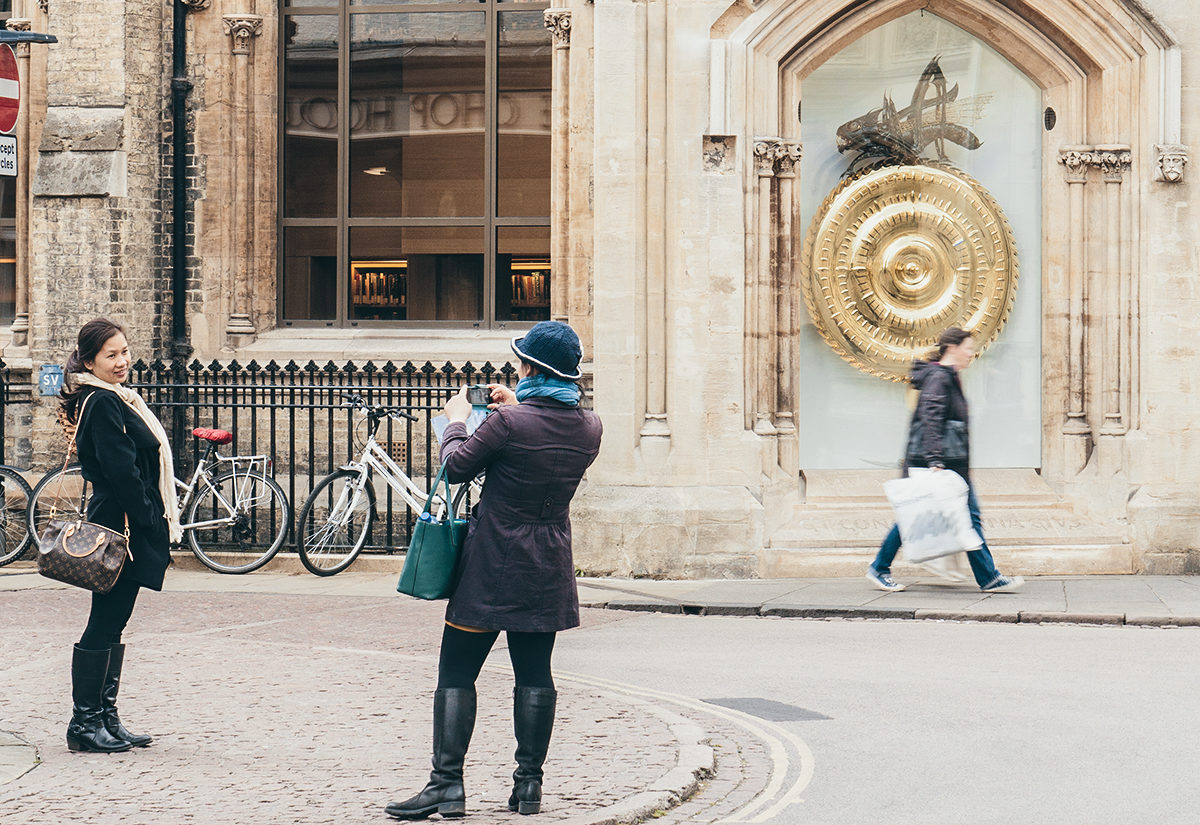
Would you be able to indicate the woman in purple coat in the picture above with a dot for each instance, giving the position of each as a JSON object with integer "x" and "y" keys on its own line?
{"x": 516, "y": 573}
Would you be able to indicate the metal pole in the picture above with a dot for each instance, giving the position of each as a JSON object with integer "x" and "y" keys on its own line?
{"x": 180, "y": 86}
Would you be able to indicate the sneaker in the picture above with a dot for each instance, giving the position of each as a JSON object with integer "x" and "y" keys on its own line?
{"x": 1004, "y": 584}
{"x": 883, "y": 581}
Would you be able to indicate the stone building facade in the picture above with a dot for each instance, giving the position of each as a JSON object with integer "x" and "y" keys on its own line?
{"x": 671, "y": 166}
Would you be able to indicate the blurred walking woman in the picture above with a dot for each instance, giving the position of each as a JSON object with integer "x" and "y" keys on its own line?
{"x": 516, "y": 573}
{"x": 124, "y": 455}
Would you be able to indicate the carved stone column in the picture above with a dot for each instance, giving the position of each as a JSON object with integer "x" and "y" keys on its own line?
{"x": 1114, "y": 162}
{"x": 558, "y": 21}
{"x": 242, "y": 29}
{"x": 1076, "y": 160}
{"x": 656, "y": 424}
{"x": 20, "y": 324}
{"x": 787, "y": 155}
{"x": 761, "y": 369}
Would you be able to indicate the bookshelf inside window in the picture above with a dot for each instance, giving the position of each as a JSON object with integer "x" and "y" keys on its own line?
{"x": 530, "y": 279}
{"x": 379, "y": 290}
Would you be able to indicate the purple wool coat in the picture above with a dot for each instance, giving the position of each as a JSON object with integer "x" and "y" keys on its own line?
{"x": 516, "y": 571}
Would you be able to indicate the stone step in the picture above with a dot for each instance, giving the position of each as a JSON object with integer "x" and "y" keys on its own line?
{"x": 998, "y": 487}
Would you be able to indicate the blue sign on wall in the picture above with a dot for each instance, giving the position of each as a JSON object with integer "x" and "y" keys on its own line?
{"x": 50, "y": 379}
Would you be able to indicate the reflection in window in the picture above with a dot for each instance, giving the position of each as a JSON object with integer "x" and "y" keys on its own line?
{"x": 393, "y": 212}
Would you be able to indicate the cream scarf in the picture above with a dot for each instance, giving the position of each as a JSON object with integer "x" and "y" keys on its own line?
{"x": 166, "y": 464}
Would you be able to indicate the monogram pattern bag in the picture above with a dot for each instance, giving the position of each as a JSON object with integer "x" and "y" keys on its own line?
{"x": 78, "y": 552}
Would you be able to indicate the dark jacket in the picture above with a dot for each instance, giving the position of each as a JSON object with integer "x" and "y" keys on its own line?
{"x": 119, "y": 457}
{"x": 940, "y": 420}
{"x": 517, "y": 572}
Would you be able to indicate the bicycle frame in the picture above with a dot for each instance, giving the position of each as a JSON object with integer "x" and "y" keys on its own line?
{"x": 375, "y": 458}
{"x": 202, "y": 479}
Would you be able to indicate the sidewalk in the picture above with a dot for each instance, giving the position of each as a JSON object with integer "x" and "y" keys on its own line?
{"x": 1158, "y": 601}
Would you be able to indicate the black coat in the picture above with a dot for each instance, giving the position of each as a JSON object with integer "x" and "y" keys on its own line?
{"x": 119, "y": 457}
{"x": 516, "y": 571}
{"x": 940, "y": 406}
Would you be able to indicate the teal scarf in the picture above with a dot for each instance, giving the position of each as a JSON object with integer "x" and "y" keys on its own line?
{"x": 545, "y": 386}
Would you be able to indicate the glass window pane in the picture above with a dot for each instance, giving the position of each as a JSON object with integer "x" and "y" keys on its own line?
{"x": 8, "y": 198}
{"x": 309, "y": 273}
{"x": 523, "y": 273}
{"x": 474, "y": 3}
{"x": 852, "y": 420}
{"x": 425, "y": 273}
{"x": 310, "y": 116}
{"x": 310, "y": 3}
{"x": 417, "y": 115}
{"x": 8, "y": 272}
{"x": 523, "y": 115}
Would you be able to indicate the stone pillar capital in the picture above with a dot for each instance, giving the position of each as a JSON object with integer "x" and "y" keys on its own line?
{"x": 243, "y": 28}
{"x": 787, "y": 155}
{"x": 558, "y": 21}
{"x": 766, "y": 152}
{"x": 20, "y": 24}
{"x": 1076, "y": 160}
{"x": 1171, "y": 160}
{"x": 1113, "y": 162}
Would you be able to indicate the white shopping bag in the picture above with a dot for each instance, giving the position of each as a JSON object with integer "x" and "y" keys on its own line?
{"x": 931, "y": 511}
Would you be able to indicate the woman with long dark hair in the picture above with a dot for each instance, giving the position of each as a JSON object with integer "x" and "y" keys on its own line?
{"x": 516, "y": 572}
{"x": 125, "y": 457}
{"x": 939, "y": 439}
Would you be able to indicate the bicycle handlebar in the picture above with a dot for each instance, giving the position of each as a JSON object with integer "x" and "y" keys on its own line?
{"x": 376, "y": 412}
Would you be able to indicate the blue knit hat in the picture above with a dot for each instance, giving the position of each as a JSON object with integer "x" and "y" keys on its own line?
{"x": 551, "y": 346}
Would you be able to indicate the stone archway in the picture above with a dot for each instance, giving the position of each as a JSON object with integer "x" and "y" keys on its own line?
{"x": 1111, "y": 75}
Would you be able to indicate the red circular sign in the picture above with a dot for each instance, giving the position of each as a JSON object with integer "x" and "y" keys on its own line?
{"x": 10, "y": 89}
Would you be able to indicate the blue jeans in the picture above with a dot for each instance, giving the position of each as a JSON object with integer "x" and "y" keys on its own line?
{"x": 981, "y": 560}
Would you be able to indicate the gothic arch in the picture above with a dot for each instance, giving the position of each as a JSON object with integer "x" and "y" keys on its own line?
{"x": 1110, "y": 71}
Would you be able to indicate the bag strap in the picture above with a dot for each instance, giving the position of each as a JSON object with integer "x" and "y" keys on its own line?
{"x": 62, "y": 475}
{"x": 441, "y": 478}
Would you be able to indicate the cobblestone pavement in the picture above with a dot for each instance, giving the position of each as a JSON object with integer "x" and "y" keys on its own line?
{"x": 309, "y": 708}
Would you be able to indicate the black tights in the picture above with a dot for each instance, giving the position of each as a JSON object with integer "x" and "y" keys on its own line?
{"x": 110, "y": 613}
{"x": 463, "y": 654}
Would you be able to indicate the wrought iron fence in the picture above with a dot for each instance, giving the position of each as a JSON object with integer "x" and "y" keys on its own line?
{"x": 15, "y": 403}
{"x": 295, "y": 415}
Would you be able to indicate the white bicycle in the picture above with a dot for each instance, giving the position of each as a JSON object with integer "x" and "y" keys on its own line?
{"x": 335, "y": 521}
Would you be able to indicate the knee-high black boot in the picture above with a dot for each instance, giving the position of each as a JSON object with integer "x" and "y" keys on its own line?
{"x": 112, "y": 684}
{"x": 453, "y": 724}
{"x": 87, "y": 732}
{"x": 533, "y": 721}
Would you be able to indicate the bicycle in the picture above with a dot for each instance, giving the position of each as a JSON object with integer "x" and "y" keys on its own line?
{"x": 15, "y": 493}
{"x": 231, "y": 507}
{"x": 336, "y": 518}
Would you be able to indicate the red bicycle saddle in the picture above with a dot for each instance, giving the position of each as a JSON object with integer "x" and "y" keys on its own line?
{"x": 215, "y": 436}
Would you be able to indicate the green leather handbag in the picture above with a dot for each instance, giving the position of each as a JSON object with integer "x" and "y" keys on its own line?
{"x": 431, "y": 563}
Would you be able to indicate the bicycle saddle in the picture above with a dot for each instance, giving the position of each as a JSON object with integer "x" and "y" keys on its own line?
{"x": 215, "y": 436}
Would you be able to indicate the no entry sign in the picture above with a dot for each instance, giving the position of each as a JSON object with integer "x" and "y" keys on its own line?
{"x": 10, "y": 89}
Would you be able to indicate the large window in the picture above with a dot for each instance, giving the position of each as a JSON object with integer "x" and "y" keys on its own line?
{"x": 415, "y": 163}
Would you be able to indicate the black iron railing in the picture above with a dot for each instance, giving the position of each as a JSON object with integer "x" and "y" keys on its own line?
{"x": 16, "y": 400}
{"x": 295, "y": 415}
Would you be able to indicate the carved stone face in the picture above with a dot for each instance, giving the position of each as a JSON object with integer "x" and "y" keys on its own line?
{"x": 1172, "y": 164}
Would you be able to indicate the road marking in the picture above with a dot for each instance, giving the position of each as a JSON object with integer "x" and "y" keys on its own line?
{"x": 774, "y": 797}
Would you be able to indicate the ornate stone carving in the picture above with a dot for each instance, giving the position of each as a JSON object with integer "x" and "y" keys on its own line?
{"x": 765, "y": 154}
{"x": 1172, "y": 158}
{"x": 558, "y": 21}
{"x": 787, "y": 155}
{"x": 197, "y": 5}
{"x": 44, "y": 5}
{"x": 18, "y": 24}
{"x": 1113, "y": 161}
{"x": 897, "y": 254}
{"x": 1077, "y": 160}
{"x": 242, "y": 28}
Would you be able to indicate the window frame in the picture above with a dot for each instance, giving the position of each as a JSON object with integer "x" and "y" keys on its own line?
{"x": 490, "y": 222}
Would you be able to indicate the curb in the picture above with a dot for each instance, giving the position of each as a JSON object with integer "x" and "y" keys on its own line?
{"x": 652, "y": 605}
{"x": 695, "y": 764}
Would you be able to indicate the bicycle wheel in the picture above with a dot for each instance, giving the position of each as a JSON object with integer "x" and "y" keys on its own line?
{"x": 52, "y": 494}
{"x": 335, "y": 522}
{"x": 252, "y": 515}
{"x": 14, "y": 508}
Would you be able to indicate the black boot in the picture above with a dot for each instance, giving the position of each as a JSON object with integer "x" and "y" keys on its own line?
{"x": 87, "y": 732}
{"x": 533, "y": 720}
{"x": 112, "y": 684}
{"x": 453, "y": 723}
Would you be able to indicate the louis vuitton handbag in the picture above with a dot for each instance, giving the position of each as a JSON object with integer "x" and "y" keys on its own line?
{"x": 431, "y": 562}
{"x": 76, "y": 551}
